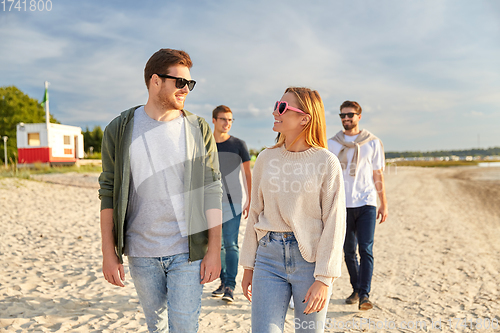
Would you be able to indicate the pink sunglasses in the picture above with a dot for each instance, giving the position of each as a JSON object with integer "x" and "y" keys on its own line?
{"x": 282, "y": 107}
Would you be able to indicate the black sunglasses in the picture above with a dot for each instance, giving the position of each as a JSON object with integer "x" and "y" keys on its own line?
{"x": 179, "y": 81}
{"x": 348, "y": 114}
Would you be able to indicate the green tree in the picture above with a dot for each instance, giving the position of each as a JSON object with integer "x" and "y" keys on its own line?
{"x": 255, "y": 152}
{"x": 93, "y": 139}
{"x": 17, "y": 107}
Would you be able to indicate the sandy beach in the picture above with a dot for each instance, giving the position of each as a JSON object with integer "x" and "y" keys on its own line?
{"x": 436, "y": 260}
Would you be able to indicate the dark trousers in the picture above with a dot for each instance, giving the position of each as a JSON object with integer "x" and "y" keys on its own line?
{"x": 360, "y": 232}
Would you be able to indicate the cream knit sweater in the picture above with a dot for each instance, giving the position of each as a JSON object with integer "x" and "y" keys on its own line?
{"x": 301, "y": 192}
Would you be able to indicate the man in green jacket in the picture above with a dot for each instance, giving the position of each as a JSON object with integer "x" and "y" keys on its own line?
{"x": 160, "y": 194}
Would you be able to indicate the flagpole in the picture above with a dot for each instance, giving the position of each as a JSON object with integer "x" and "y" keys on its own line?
{"x": 47, "y": 116}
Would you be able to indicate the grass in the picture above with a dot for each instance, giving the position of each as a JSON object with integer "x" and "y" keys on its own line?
{"x": 435, "y": 164}
{"x": 94, "y": 156}
{"x": 44, "y": 169}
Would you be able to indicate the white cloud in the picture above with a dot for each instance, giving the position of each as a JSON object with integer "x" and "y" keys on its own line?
{"x": 22, "y": 45}
{"x": 255, "y": 111}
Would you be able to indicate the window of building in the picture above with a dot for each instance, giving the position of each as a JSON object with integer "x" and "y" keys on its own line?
{"x": 67, "y": 140}
{"x": 33, "y": 139}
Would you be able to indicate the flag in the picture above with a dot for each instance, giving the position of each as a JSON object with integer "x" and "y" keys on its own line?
{"x": 45, "y": 96}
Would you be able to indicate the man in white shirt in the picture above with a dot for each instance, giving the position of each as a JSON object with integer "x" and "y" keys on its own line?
{"x": 361, "y": 155}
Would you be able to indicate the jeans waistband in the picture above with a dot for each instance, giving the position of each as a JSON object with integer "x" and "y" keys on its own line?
{"x": 287, "y": 236}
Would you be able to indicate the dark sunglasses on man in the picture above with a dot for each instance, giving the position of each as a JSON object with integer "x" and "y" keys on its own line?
{"x": 348, "y": 114}
{"x": 179, "y": 81}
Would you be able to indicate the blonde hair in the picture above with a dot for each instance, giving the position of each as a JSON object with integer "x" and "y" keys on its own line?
{"x": 315, "y": 131}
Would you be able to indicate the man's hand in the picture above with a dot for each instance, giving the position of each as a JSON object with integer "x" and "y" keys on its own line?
{"x": 246, "y": 284}
{"x": 112, "y": 270}
{"x": 210, "y": 267}
{"x": 245, "y": 166}
{"x": 383, "y": 211}
{"x": 316, "y": 296}
{"x": 378, "y": 179}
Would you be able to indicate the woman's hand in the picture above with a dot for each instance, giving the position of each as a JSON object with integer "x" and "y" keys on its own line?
{"x": 316, "y": 296}
{"x": 246, "y": 283}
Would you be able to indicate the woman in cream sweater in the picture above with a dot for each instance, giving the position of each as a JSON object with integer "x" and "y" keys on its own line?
{"x": 296, "y": 226}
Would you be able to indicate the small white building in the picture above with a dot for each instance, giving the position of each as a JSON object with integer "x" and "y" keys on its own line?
{"x": 49, "y": 143}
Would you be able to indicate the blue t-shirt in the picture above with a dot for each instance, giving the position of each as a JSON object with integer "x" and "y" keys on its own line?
{"x": 232, "y": 153}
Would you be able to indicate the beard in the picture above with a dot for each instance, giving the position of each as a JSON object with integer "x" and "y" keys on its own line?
{"x": 348, "y": 126}
{"x": 168, "y": 102}
{"x": 171, "y": 105}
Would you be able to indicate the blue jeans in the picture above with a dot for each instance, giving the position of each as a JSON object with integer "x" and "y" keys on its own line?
{"x": 360, "y": 232}
{"x": 280, "y": 272}
{"x": 169, "y": 290}
{"x": 230, "y": 250}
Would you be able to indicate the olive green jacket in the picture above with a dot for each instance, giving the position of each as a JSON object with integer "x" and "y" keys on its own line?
{"x": 202, "y": 184}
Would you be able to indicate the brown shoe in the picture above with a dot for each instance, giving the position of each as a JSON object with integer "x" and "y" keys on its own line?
{"x": 365, "y": 304}
{"x": 353, "y": 298}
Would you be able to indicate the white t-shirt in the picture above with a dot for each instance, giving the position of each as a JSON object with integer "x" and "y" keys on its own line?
{"x": 360, "y": 190}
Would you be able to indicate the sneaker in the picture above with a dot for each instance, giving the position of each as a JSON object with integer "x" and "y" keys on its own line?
{"x": 219, "y": 291}
{"x": 228, "y": 295}
{"x": 353, "y": 298}
{"x": 365, "y": 304}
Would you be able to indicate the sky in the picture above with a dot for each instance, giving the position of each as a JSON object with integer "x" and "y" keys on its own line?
{"x": 426, "y": 72}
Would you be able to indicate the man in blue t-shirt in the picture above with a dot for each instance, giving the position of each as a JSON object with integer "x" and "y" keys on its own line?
{"x": 233, "y": 159}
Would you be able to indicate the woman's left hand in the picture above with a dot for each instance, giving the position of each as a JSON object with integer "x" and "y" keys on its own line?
{"x": 316, "y": 297}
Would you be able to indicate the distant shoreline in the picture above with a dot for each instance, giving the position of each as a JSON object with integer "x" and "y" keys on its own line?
{"x": 494, "y": 151}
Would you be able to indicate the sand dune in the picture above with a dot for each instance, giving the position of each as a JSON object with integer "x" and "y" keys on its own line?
{"x": 436, "y": 258}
